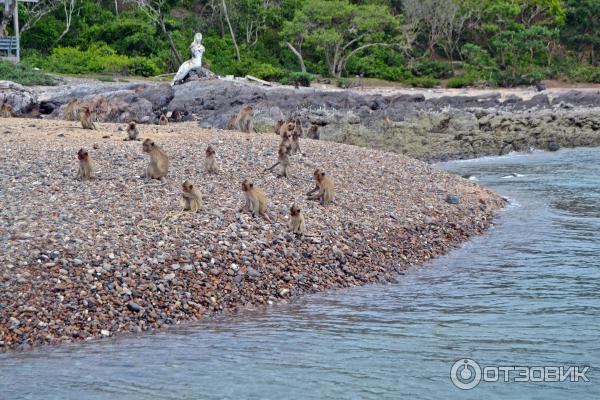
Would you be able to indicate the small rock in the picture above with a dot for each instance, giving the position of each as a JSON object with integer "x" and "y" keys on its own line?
{"x": 252, "y": 273}
{"x": 452, "y": 199}
{"x": 132, "y": 306}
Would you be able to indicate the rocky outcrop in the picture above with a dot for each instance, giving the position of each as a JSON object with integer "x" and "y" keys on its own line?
{"x": 23, "y": 101}
{"x": 439, "y": 128}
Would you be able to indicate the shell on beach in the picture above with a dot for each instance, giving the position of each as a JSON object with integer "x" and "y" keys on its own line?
{"x": 87, "y": 259}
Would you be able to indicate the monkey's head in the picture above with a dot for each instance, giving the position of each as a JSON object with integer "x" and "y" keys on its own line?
{"x": 131, "y": 125}
{"x": 210, "y": 151}
{"x": 148, "y": 145}
{"x": 291, "y": 126}
{"x": 247, "y": 186}
{"x": 163, "y": 117}
{"x": 6, "y": 107}
{"x": 74, "y": 100}
{"x": 318, "y": 174}
{"x": 248, "y": 109}
{"x": 295, "y": 210}
{"x": 187, "y": 186}
{"x": 82, "y": 155}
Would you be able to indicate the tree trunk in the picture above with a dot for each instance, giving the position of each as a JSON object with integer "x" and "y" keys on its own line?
{"x": 161, "y": 22}
{"x": 6, "y": 16}
{"x": 237, "y": 49}
{"x": 299, "y": 55}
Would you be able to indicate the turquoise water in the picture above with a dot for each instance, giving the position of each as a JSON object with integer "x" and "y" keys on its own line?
{"x": 525, "y": 294}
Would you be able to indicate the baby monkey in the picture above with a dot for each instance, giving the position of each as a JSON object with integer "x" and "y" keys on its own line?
{"x": 132, "y": 131}
{"x": 86, "y": 167}
{"x": 191, "y": 197}
{"x": 296, "y": 224}
{"x": 163, "y": 120}
{"x": 210, "y": 162}
{"x": 324, "y": 186}
{"x": 6, "y": 111}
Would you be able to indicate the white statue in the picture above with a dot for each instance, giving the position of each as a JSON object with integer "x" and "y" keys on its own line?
{"x": 195, "y": 62}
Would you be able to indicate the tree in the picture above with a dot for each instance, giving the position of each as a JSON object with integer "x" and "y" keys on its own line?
{"x": 156, "y": 10}
{"x": 581, "y": 28}
{"x": 337, "y": 30}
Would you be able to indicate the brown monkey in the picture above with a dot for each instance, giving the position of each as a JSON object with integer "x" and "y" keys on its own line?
{"x": 387, "y": 123}
{"x": 85, "y": 117}
{"x": 132, "y": 131}
{"x": 298, "y": 128}
{"x": 295, "y": 143}
{"x": 317, "y": 173}
{"x": 283, "y": 160}
{"x": 244, "y": 119}
{"x": 6, "y": 110}
{"x": 296, "y": 224}
{"x": 256, "y": 201}
{"x": 159, "y": 162}
{"x": 86, "y": 166}
{"x": 231, "y": 124}
{"x": 325, "y": 186}
{"x": 175, "y": 116}
{"x": 163, "y": 120}
{"x": 71, "y": 112}
{"x": 210, "y": 163}
{"x": 278, "y": 126}
{"x": 191, "y": 197}
{"x": 313, "y": 132}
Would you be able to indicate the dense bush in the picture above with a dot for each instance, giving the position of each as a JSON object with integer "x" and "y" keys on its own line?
{"x": 99, "y": 57}
{"x": 433, "y": 68}
{"x": 423, "y": 81}
{"x": 24, "y": 74}
{"x": 464, "y": 80}
{"x": 585, "y": 73}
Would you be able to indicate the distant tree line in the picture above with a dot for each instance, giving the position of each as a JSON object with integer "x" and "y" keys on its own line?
{"x": 419, "y": 42}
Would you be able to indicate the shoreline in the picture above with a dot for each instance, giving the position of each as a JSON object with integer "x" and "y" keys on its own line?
{"x": 82, "y": 252}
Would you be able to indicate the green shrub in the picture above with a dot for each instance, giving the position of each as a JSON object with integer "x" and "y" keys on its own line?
{"x": 465, "y": 80}
{"x": 24, "y": 74}
{"x": 98, "y": 58}
{"x": 433, "y": 68}
{"x": 422, "y": 81}
{"x": 342, "y": 83}
{"x": 267, "y": 72}
{"x": 585, "y": 73}
{"x": 300, "y": 78}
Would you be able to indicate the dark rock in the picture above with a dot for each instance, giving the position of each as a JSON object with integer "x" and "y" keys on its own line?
{"x": 553, "y": 146}
{"x": 451, "y": 199}
{"x": 132, "y": 306}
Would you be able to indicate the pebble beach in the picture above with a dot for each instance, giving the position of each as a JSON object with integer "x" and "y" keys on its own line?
{"x": 83, "y": 260}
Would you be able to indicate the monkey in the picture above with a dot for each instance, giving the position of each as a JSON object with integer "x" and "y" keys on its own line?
{"x": 86, "y": 166}
{"x": 317, "y": 172}
{"x": 132, "y": 131}
{"x": 231, "y": 124}
{"x": 278, "y": 126}
{"x": 72, "y": 109}
{"x": 256, "y": 201}
{"x": 387, "y": 123}
{"x": 175, "y": 115}
{"x": 296, "y": 224}
{"x": 296, "y": 135}
{"x": 6, "y": 110}
{"x": 210, "y": 163}
{"x": 159, "y": 162}
{"x": 85, "y": 117}
{"x": 244, "y": 119}
{"x": 325, "y": 186}
{"x": 163, "y": 120}
{"x": 191, "y": 197}
{"x": 283, "y": 160}
{"x": 313, "y": 132}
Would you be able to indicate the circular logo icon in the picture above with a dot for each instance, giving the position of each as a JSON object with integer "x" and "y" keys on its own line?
{"x": 465, "y": 374}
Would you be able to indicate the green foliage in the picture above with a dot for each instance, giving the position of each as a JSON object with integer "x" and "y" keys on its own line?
{"x": 300, "y": 78}
{"x": 433, "y": 68}
{"x": 99, "y": 57}
{"x": 423, "y": 82}
{"x": 24, "y": 74}
{"x": 464, "y": 80}
{"x": 502, "y": 42}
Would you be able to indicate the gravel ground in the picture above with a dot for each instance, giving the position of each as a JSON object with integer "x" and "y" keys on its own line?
{"x": 83, "y": 260}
